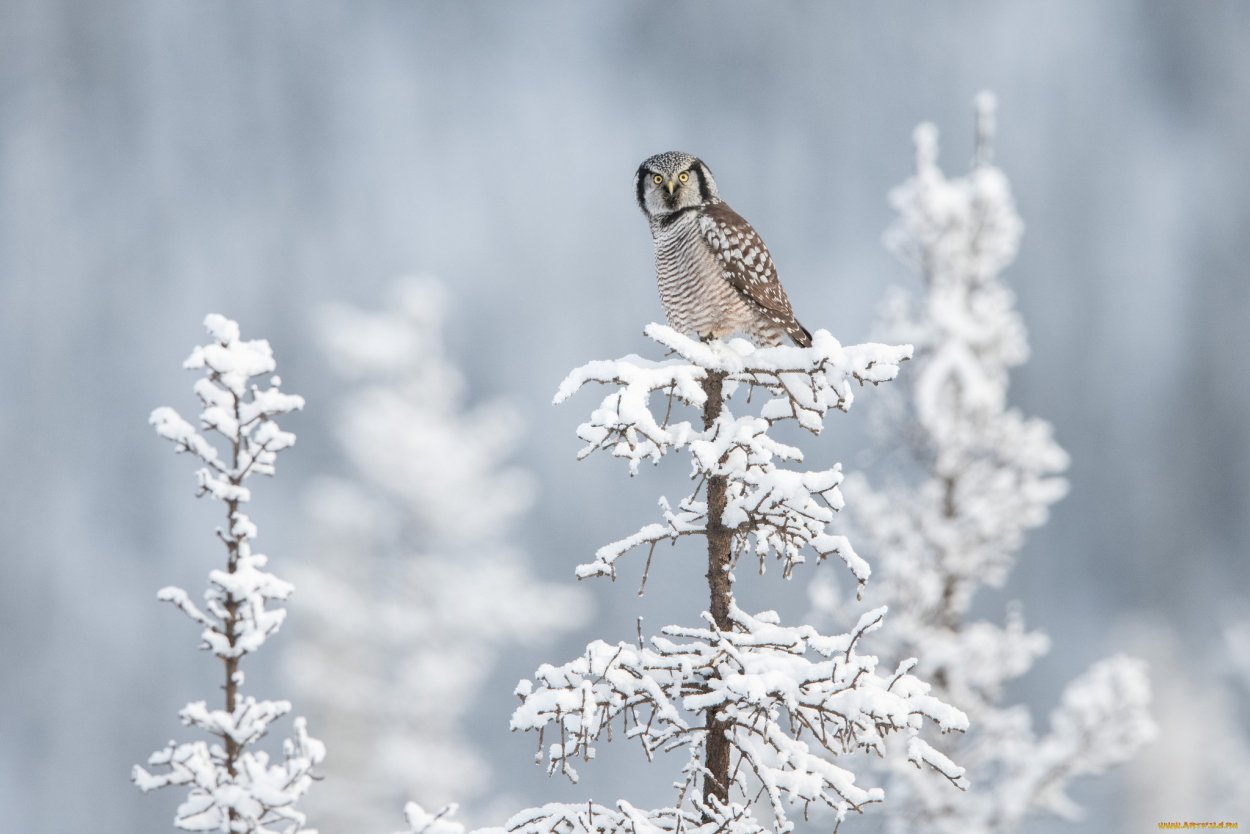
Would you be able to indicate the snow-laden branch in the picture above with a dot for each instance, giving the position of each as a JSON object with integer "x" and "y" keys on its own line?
{"x": 231, "y": 787}
{"x": 421, "y": 821}
{"x": 791, "y": 698}
{"x": 259, "y": 796}
{"x": 591, "y": 818}
{"x": 772, "y": 511}
{"x": 803, "y": 384}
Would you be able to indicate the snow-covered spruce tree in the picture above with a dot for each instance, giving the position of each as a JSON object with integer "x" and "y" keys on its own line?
{"x": 409, "y": 566}
{"x": 232, "y": 786}
{"x": 762, "y": 709}
{"x": 980, "y": 475}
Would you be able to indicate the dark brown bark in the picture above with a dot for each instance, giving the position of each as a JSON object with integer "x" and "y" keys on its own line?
{"x": 720, "y": 586}
{"x": 233, "y": 749}
{"x": 231, "y": 624}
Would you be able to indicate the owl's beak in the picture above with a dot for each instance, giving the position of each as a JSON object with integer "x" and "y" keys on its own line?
{"x": 672, "y": 183}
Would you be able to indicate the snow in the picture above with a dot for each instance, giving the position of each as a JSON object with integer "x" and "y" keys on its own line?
{"x": 1086, "y": 731}
{"x": 259, "y": 797}
{"x": 790, "y": 699}
{"x": 421, "y": 821}
{"x": 775, "y": 512}
{"x": 766, "y": 677}
{"x": 591, "y": 818}
{"x": 981, "y": 476}
{"x": 234, "y": 788}
{"x": 170, "y": 425}
{"x": 222, "y": 329}
{"x": 248, "y": 722}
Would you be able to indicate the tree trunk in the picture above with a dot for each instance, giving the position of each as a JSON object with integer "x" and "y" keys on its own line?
{"x": 233, "y": 749}
{"x": 232, "y": 626}
{"x": 720, "y": 586}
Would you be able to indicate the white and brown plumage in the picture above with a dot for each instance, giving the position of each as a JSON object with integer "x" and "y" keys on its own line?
{"x": 714, "y": 272}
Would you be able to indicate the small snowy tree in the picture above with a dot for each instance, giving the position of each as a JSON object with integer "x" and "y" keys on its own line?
{"x": 233, "y": 787}
{"x": 409, "y": 567}
{"x": 762, "y": 709}
{"x": 982, "y": 475}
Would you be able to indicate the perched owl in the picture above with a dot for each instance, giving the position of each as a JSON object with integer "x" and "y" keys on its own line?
{"x": 715, "y": 274}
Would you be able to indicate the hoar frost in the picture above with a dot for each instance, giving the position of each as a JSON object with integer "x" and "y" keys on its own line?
{"x": 981, "y": 476}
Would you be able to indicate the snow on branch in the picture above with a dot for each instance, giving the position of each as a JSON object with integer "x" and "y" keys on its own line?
{"x": 230, "y": 786}
{"x": 771, "y": 510}
{"x": 592, "y": 818}
{"x": 421, "y": 821}
{"x": 258, "y": 797}
{"x": 762, "y": 710}
{"x": 791, "y": 698}
{"x": 804, "y": 383}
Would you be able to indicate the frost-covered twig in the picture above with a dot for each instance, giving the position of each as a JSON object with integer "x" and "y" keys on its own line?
{"x": 232, "y": 787}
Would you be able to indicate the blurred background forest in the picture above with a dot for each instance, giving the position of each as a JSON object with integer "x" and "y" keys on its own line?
{"x": 163, "y": 160}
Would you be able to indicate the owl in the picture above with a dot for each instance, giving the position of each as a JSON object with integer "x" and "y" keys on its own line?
{"x": 715, "y": 274}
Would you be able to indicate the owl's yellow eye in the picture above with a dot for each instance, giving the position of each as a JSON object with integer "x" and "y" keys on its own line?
{"x": 684, "y": 176}
{"x": 657, "y": 179}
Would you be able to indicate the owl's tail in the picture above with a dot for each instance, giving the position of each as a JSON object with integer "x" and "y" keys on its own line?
{"x": 800, "y": 334}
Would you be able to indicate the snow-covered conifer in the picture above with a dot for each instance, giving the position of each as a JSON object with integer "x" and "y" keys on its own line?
{"x": 762, "y": 709}
{"x": 412, "y": 586}
{"x": 980, "y": 475}
{"x": 232, "y": 786}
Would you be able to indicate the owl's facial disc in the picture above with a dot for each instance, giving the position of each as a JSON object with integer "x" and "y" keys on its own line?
{"x": 668, "y": 183}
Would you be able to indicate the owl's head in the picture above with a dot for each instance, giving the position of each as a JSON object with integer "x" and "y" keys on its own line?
{"x": 671, "y": 181}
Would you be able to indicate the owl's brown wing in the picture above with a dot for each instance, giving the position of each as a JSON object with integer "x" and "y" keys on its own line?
{"x": 749, "y": 269}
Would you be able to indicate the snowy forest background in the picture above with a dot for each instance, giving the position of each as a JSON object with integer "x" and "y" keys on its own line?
{"x": 159, "y": 161}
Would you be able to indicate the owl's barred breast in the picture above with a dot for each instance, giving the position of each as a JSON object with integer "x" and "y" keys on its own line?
{"x": 695, "y": 295}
